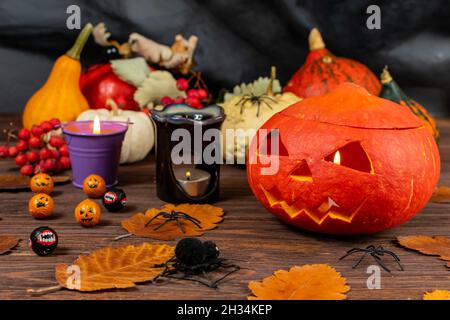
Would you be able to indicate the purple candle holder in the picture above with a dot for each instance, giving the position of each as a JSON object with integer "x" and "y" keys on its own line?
{"x": 94, "y": 153}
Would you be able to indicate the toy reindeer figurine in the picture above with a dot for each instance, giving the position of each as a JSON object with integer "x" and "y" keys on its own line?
{"x": 178, "y": 57}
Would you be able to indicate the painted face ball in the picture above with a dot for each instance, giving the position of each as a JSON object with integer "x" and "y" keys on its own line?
{"x": 41, "y": 206}
{"x": 114, "y": 199}
{"x": 94, "y": 186}
{"x": 87, "y": 213}
{"x": 41, "y": 183}
{"x": 347, "y": 162}
{"x": 43, "y": 241}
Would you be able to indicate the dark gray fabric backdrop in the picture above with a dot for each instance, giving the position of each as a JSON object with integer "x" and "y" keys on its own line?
{"x": 239, "y": 40}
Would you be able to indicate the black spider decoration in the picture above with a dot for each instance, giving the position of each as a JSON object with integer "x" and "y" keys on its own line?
{"x": 256, "y": 100}
{"x": 194, "y": 258}
{"x": 376, "y": 253}
{"x": 175, "y": 216}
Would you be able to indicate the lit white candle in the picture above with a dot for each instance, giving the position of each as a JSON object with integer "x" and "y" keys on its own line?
{"x": 193, "y": 181}
{"x": 97, "y": 129}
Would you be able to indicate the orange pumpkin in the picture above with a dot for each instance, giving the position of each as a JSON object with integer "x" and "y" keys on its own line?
{"x": 41, "y": 183}
{"x": 94, "y": 186}
{"x": 348, "y": 163}
{"x": 87, "y": 213}
{"x": 322, "y": 72}
{"x": 41, "y": 206}
{"x": 60, "y": 97}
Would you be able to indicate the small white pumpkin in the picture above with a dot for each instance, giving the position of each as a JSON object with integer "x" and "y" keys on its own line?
{"x": 140, "y": 137}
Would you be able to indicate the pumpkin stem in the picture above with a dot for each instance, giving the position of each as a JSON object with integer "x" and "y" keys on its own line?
{"x": 78, "y": 46}
{"x": 385, "y": 76}
{"x": 315, "y": 40}
{"x": 273, "y": 75}
{"x": 114, "y": 107}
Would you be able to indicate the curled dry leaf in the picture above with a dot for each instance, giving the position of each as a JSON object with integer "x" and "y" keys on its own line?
{"x": 119, "y": 267}
{"x": 7, "y": 243}
{"x": 309, "y": 282}
{"x": 433, "y": 246}
{"x": 437, "y": 295}
{"x": 441, "y": 195}
{"x": 208, "y": 215}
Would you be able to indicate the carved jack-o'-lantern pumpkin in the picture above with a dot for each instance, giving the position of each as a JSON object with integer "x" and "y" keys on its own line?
{"x": 87, "y": 213}
{"x": 94, "y": 186}
{"x": 349, "y": 163}
{"x": 41, "y": 182}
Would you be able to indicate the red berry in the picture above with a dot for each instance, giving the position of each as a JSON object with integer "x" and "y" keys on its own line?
{"x": 64, "y": 150}
{"x": 46, "y": 126}
{"x": 27, "y": 170}
{"x": 24, "y": 134}
{"x": 166, "y": 100}
{"x": 32, "y": 156}
{"x": 56, "y": 141}
{"x": 192, "y": 93}
{"x": 34, "y": 142}
{"x": 45, "y": 153}
{"x": 179, "y": 100}
{"x": 55, "y": 123}
{"x": 202, "y": 94}
{"x": 21, "y": 159}
{"x": 4, "y": 152}
{"x": 22, "y": 145}
{"x": 193, "y": 102}
{"x": 50, "y": 164}
{"x": 13, "y": 152}
{"x": 39, "y": 168}
{"x": 55, "y": 154}
{"x": 65, "y": 162}
{"x": 182, "y": 84}
{"x": 36, "y": 131}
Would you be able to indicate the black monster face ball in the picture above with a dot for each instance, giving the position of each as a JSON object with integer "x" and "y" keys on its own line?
{"x": 43, "y": 241}
{"x": 114, "y": 199}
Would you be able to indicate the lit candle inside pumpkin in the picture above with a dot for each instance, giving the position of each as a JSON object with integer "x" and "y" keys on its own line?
{"x": 96, "y": 129}
{"x": 337, "y": 158}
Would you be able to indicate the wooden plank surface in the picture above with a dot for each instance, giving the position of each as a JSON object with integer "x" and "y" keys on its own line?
{"x": 256, "y": 240}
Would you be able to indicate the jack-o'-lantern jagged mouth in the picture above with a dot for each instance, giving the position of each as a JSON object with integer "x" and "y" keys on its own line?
{"x": 329, "y": 209}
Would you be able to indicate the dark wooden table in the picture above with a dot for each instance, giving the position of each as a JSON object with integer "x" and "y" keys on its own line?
{"x": 260, "y": 242}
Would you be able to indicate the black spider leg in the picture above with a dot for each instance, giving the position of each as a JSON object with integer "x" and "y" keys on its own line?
{"x": 242, "y": 102}
{"x": 383, "y": 251}
{"x": 189, "y": 278}
{"x": 379, "y": 261}
{"x": 355, "y": 250}
{"x": 164, "y": 214}
{"x": 191, "y": 219}
{"x": 236, "y": 268}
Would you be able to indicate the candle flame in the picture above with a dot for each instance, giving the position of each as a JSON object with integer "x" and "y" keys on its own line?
{"x": 188, "y": 175}
{"x": 337, "y": 158}
{"x": 97, "y": 128}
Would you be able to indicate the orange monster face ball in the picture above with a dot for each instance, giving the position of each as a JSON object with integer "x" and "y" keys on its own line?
{"x": 347, "y": 162}
{"x": 41, "y": 183}
{"x": 41, "y": 206}
{"x": 94, "y": 186}
{"x": 87, "y": 213}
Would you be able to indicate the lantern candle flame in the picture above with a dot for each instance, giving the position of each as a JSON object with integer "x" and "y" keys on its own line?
{"x": 96, "y": 128}
{"x": 188, "y": 175}
{"x": 337, "y": 158}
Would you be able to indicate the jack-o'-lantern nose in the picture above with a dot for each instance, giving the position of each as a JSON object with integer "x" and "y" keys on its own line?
{"x": 301, "y": 172}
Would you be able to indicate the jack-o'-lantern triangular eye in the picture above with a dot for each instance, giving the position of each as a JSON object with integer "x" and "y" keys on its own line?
{"x": 272, "y": 145}
{"x": 301, "y": 172}
{"x": 352, "y": 156}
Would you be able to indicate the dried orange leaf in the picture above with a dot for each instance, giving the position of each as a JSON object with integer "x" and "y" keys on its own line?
{"x": 119, "y": 267}
{"x": 441, "y": 195}
{"x": 208, "y": 215}
{"x": 309, "y": 282}
{"x": 7, "y": 243}
{"x": 434, "y": 246}
{"x": 437, "y": 295}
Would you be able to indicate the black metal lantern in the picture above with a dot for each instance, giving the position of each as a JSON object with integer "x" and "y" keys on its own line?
{"x": 188, "y": 153}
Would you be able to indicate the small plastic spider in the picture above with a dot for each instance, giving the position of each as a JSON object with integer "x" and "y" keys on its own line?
{"x": 175, "y": 216}
{"x": 256, "y": 100}
{"x": 376, "y": 253}
{"x": 194, "y": 258}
